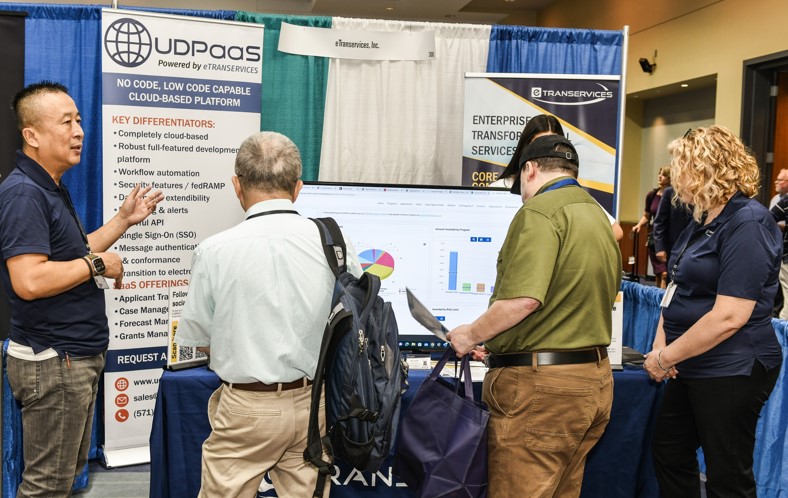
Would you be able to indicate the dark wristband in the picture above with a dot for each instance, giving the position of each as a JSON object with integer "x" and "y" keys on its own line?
{"x": 90, "y": 267}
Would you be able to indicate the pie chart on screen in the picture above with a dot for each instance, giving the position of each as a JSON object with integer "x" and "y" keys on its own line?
{"x": 377, "y": 262}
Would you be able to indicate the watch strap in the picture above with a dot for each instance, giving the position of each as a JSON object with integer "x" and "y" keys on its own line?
{"x": 90, "y": 266}
{"x": 92, "y": 261}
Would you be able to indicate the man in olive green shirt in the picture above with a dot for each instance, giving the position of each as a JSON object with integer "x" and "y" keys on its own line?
{"x": 549, "y": 387}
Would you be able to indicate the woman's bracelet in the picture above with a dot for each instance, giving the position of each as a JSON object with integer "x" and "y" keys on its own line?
{"x": 659, "y": 361}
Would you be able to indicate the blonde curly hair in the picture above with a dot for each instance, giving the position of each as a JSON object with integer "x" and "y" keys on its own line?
{"x": 709, "y": 165}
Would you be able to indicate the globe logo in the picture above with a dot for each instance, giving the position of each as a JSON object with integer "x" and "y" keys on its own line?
{"x": 127, "y": 42}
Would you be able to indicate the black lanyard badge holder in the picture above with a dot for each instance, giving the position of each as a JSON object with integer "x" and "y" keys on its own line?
{"x": 671, "y": 288}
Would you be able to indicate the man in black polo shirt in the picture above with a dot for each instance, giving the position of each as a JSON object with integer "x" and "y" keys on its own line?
{"x": 779, "y": 211}
{"x": 53, "y": 274}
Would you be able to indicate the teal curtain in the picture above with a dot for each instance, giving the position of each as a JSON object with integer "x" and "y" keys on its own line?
{"x": 294, "y": 88}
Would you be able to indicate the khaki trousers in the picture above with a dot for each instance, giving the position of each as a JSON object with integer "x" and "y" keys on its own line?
{"x": 543, "y": 422}
{"x": 255, "y": 432}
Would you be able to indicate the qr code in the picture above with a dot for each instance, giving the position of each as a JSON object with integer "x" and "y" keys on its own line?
{"x": 185, "y": 353}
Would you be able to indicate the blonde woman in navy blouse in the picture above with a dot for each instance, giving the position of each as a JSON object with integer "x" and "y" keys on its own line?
{"x": 715, "y": 343}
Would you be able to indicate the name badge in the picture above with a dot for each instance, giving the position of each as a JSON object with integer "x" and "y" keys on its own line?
{"x": 101, "y": 282}
{"x": 668, "y": 297}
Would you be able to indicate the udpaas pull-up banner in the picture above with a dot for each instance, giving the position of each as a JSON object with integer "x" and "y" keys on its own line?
{"x": 180, "y": 94}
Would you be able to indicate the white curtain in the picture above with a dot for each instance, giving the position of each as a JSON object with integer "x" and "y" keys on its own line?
{"x": 400, "y": 121}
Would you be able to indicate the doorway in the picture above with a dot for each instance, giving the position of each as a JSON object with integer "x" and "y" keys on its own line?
{"x": 764, "y": 126}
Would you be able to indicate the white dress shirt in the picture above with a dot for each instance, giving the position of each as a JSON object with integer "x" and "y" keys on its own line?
{"x": 259, "y": 296}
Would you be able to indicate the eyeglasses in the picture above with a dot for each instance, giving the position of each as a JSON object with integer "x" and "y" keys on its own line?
{"x": 688, "y": 133}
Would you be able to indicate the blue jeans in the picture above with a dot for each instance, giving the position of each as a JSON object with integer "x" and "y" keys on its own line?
{"x": 58, "y": 402}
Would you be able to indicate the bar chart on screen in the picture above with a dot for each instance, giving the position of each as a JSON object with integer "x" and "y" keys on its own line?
{"x": 465, "y": 263}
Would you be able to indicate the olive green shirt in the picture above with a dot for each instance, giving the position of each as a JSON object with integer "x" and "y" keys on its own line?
{"x": 560, "y": 251}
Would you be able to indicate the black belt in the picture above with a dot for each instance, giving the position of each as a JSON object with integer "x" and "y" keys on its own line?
{"x": 544, "y": 358}
{"x": 262, "y": 387}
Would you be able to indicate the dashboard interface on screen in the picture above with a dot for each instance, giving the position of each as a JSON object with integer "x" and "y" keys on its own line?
{"x": 441, "y": 242}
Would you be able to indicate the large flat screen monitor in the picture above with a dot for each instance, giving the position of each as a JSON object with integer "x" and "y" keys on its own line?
{"x": 441, "y": 242}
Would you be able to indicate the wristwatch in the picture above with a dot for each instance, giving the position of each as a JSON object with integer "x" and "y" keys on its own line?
{"x": 96, "y": 263}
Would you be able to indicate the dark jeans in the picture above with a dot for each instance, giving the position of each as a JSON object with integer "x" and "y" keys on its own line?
{"x": 720, "y": 415}
{"x": 57, "y": 417}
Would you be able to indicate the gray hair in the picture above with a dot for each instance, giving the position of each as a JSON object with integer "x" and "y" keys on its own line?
{"x": 268, "y": 162}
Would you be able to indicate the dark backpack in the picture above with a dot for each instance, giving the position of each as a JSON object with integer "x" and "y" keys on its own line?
{"x": 361, "y": 366}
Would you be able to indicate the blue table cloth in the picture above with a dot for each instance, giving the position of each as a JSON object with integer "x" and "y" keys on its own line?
{"x": 619, "y": 466}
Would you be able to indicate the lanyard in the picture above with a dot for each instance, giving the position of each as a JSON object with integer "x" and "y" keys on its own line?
{"x": 566, "y": 182}
{"x": 276, "y": 211}
{"x": 63, "y": 191}
{"x": 699, "y": 232}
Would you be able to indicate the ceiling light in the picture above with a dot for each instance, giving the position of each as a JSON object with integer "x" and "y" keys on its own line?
{"x": 684, "y": 85}
{"x": 389, "y": 8}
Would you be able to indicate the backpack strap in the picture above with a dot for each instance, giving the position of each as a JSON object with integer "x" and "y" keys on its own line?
{"x": 333, "y": 244}
{"x": 334, "y": 249}
{"x": 315, "y": 445}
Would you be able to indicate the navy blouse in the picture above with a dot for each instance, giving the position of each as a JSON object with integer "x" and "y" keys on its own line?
{"x": 738, "y": 255}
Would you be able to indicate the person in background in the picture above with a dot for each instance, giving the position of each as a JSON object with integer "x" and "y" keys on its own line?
{"x": 671, "y": 219}
{"x": 652, "y": 205}
{"x": 780, "y": 187}
{"x": 550, "y": 385}
{"x": 59, "y": 332}
{"x": 259, "y": 297}
{"x": 538, "y": 126}
{"x": 714, "y": 342}
{"x": 780, "y": 213}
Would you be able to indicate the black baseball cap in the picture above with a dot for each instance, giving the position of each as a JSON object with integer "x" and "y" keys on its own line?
{"x": 545, "y": 146}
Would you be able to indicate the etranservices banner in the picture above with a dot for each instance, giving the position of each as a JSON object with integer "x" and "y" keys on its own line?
{"x": 357, "y": 45}
{"x": 498, "y": 106}
{"x": 179, "y": 96}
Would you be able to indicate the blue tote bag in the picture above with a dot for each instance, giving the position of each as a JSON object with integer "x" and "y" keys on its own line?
{"x": 441, "y": 449}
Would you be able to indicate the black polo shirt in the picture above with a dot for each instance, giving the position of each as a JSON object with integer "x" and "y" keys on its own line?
{"x": 35, "y": 218}
{"x": 780, "y": 213}
{"x": 738, "y": 255}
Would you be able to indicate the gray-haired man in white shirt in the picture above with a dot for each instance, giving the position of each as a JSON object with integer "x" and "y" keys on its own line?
{"x": 258, "y": 300}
